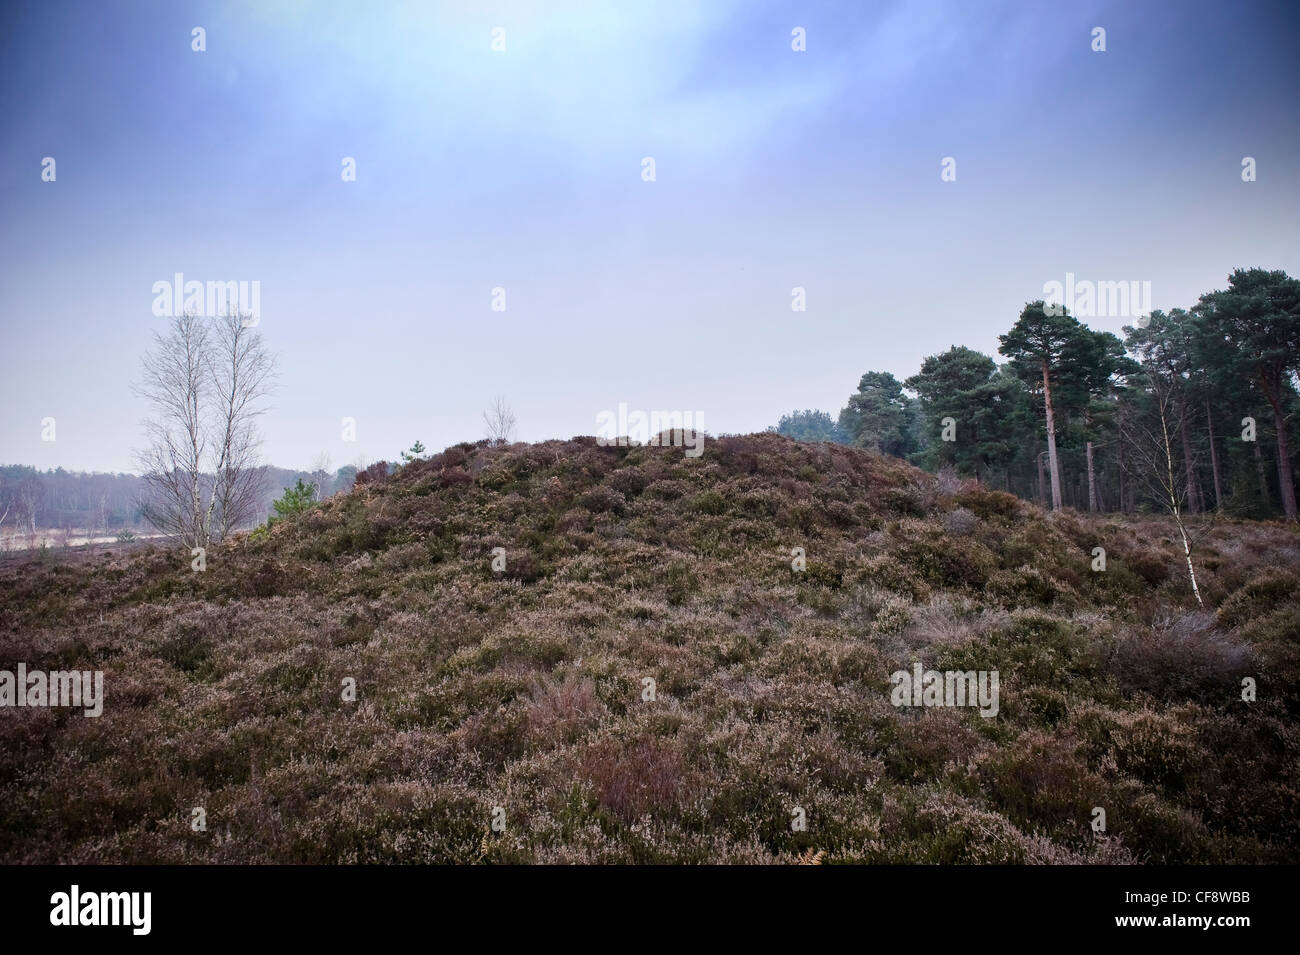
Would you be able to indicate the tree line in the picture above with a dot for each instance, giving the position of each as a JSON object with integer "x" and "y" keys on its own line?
{"x": 1189, "y": 413}
{"x": 106, "y": 505}
{"x": 31, "y": 499}
{"x": 200, "y": 476}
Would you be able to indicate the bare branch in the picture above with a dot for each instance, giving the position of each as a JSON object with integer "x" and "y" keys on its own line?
{"x": 499, "y": 421}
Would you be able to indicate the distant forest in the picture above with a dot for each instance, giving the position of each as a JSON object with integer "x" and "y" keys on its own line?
{"x": 1215, "y": 386}
{"x": 107, "y": 504}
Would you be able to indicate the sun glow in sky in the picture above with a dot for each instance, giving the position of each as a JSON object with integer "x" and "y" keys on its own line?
{"x": 521, "y": 169}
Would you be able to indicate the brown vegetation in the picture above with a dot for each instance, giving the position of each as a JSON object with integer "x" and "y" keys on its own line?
{"x": 523, "y": 689}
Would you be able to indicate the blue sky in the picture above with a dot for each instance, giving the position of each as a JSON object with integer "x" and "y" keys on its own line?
{"x": 521, "y": 169}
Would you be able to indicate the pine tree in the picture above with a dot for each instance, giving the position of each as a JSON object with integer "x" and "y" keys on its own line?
{"x": 964, "y": 385}
{"x": 296, "y": 499}
{"x": 1258, "y": 318}
{"x": 413, "y": 453}
{"x": 880, "y": 416}
{"x": 1043, "y": 340}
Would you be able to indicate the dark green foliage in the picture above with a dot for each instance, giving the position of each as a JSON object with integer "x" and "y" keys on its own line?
{"x": 966, "y": 387}
{"x": 810, "y": 426}
{"x": 880, "y": 416}
{"x": 1228, "y": 368}
{"x": 296, "y": 500}
{"x": 414, "y": 453}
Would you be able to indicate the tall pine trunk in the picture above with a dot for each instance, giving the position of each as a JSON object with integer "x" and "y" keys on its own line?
{"x": 1123, "y": 490}
{"x": 1053, "y": 465}
{"x": 1284, "y": 477}
{"x": 1214, "y": 458}
{"x": 1193, "y": 497}
{"x": 1263, "y": 478}
{"x": 1092, "y": 482}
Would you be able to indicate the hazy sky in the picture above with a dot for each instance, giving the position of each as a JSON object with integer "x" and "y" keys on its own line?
{"x": 522, "y": 169}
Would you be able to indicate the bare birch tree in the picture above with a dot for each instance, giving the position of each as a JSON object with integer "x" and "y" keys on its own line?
{"x": 28, "y": 500}
{"x": 1149, "y": 457}
{"x": 500, "y": 422}
{"x": 205, "y": 383}
{"x": 243, "y": 372}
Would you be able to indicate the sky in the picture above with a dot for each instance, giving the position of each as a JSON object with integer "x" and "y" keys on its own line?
{"x": 522, "y": 168}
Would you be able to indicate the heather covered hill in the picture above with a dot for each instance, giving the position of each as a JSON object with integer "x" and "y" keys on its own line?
{"x": 524, "y": 688}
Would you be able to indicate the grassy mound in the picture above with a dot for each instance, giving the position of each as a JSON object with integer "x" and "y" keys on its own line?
{"x": 523, "y": 692}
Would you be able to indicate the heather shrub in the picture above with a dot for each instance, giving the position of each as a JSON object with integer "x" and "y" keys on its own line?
{"x": 188, "y": 652}
{"x": 947, "y": 482}
{"x": 1153, "y": 749}
{"x": 524, "y": 688}
{"x": 1153, "y": 567}
{"x": 495, "y": 738}
{"x": 404, "y": 824}
{"x": 912, "y": 500}
{"x": 667, "y": 489}
{"x": 1181, "y": 656}
{"x": 681, "y": 581}
{"x": 559, "y": 709}
{"x": 1022, "y": 586}
{"x": 402, "y": 557}
{"x": 959, "y": 523}
{"x": 600, "y": 500}
{"x": 948, "y": 562}
{"x": 943, "y": 828}
{"x": 1039, "y": 782}
{"x": 760, "y": 503}
{"x": 373, "y": 474}
{"x": 635, "y": 777}
{"x": 1036, "y": 544}
{"x": 929, "y": 744}
{"x": 267, "y": 580}
{"x": 709, "y": 502}
{"x": 989, "y": 505}
{"x": 1035, "y": 705}
{"x": 1260, "y": 596}
{"x": 823, "y": 575}
{"x": 944, "y": 622}
{"x": 628, "y": 481}
{"x": 888, "y": 572}
{"x": 454, "y": 476}
{"x": 1158, "y": 832}
{"x": 1035, "y": 647}
{"x": 1276, "y": 642}
{"x": 892, "y": 614}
